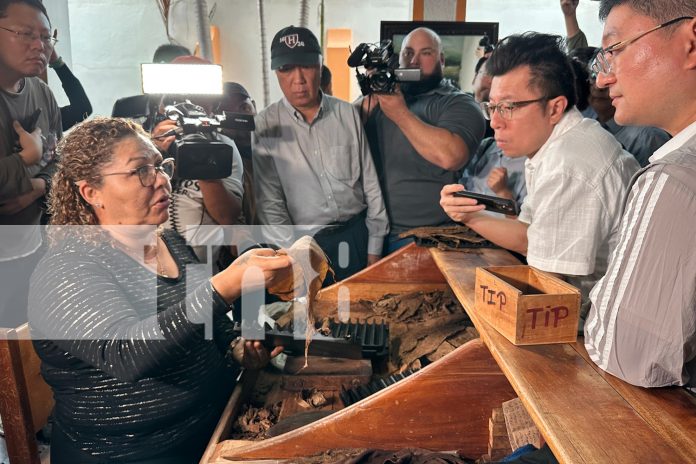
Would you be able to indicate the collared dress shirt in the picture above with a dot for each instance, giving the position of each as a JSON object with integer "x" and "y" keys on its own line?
{"x": 642, "y": 325}
{"x": 575, "y": 186}
{"x": 316, "y": 174}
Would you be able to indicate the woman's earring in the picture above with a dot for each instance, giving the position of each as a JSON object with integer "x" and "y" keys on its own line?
{"x": 97, "y": 205}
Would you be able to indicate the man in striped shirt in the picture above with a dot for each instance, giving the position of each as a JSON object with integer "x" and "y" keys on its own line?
{"x": 642, "y": 324}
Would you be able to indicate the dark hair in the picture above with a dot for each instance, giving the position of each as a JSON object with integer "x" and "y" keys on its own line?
{"x": 167, "y": 52}
{"x": 582, "y": 83}
{"x": 660, "y": 10}
{"x": 36, "y": 4}
{"x": 486, "y": 44}
{"x": 325, "y": 76}
{"x": 585, "y": 55}
{"x": 480, "y": 63}
{"x": 234, "y": 88}
{"x": 551, "y": 71}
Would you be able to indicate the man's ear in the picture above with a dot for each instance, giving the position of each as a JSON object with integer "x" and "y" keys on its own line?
{"x": 691, "y": 45}
{"x": 442, "y": 58}
{"x": 556, "y": 107}
{"x": 91, "y": 194}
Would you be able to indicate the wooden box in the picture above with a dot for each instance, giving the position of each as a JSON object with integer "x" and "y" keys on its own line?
{"x": 527, "y": 306}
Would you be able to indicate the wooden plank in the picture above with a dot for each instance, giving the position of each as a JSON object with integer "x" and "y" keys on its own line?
{"x": 14, "y": 402}
{"x": 40, "y": 394}
{"x": 671, "y": 412}
{"x": 409, "y": 264}
{"x": 581, "y": 416}
{"x": 460, "y": 14}
{"x": 444, "y": 406}
{"x": 418, "y": 10}
{"x": 239, "y": 396}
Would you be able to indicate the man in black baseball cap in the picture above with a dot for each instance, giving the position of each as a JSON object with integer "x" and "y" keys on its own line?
{"x": 312, "y": 164}
{"x": 295, "y": 46}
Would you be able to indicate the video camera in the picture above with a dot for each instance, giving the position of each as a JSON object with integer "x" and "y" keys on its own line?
{"x": 198, "y": 151}
{"x": 385, "y": 65}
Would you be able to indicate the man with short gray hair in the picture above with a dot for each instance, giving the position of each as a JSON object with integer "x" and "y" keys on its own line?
{"x": 642, "y": 324}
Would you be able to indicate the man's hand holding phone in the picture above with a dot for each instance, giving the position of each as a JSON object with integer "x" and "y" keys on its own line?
{"x": 460, "y": 209}
{"x": 459, "y": 204}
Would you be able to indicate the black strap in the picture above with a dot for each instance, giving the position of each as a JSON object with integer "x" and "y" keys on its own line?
{"x": 6, "y": 130}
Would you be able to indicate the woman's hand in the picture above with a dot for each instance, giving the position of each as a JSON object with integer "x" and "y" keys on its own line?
{"x": 252, "y": 354}
{"x": 279, "y": 274}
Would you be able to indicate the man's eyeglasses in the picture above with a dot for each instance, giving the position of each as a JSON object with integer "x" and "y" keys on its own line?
{"x": 147, "y": 173}
{"x": 505, "y": 109}
{"x": 602, "y": 61}
{"x": 29, "y": 37}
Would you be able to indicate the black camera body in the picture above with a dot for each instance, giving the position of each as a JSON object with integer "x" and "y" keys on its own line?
{"x": 198, "y": 151}
{"x": 384, "y": 64}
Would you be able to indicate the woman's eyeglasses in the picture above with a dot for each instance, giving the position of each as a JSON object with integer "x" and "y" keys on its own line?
{"x": 147, "y": 173}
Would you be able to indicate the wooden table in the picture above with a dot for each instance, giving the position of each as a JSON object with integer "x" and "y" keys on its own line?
{"x": 585, "y": 414}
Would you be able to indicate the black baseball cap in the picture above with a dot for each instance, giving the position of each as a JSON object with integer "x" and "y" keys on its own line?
{"x": 295, "y": 46}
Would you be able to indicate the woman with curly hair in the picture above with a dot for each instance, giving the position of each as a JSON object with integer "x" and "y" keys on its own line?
{"x": 119, "y": 314}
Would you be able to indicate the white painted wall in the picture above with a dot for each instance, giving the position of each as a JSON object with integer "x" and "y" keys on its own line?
{"x": 106, "y": 40}
{"x": 238, "y": 21}
{"x": 517, "y": 16}
{"x": 60, "y": 19}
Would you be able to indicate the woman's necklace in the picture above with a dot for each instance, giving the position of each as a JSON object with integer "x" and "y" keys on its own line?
{"x": 155, "y": 258}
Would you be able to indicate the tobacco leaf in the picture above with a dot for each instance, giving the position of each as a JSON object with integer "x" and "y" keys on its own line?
{"x": 314, "y": 266}
{"x": 425, "y": 338}
{"x": 311, "y": 398}
{"x": 452, "y": 238}
{"x": 253, "y": 423}
{"x": 429, "y": 324}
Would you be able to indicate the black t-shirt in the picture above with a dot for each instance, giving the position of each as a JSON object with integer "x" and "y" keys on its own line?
{"x": 410, "y": 184}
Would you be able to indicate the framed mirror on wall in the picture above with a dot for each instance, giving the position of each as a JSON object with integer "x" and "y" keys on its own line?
{"x": 460, "y": 44}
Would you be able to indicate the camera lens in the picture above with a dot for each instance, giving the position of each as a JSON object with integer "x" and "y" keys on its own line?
{"x": 381, "y": 81}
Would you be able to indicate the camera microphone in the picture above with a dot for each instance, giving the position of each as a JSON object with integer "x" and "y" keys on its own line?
{"x": 356, "y": 57}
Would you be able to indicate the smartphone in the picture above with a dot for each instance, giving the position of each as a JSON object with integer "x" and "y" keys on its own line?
{"x": 495, "y": 204}
{"x": 29, "y": 124}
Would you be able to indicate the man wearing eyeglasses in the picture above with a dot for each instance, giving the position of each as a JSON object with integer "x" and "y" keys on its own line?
{"x": 26, "y": 154}
{"x": 642, "y": 325}
{"x": 576, "y": 173}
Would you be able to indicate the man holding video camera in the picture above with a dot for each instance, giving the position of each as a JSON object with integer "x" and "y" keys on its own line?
{"x": 421, "y": 136}
{"x": 312, "y": 163}
{"x": 30, "y": 126}
{"x": 198, "y": 202}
